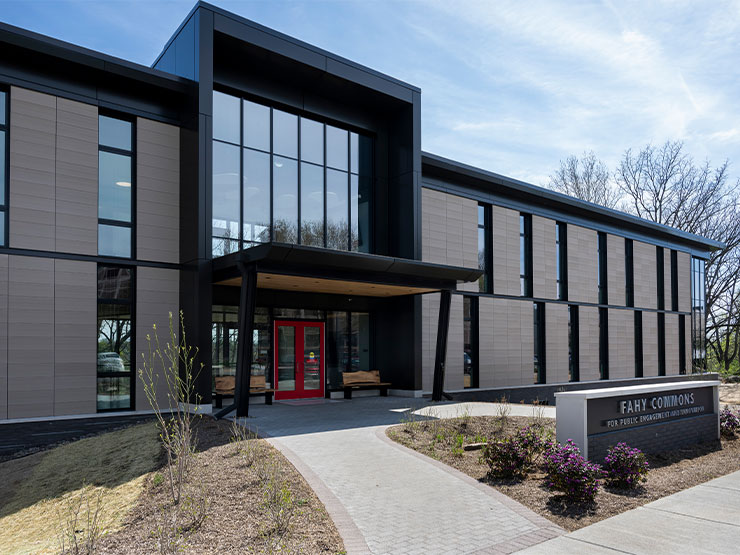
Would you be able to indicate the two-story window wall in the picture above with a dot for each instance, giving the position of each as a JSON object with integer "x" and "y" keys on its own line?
{"x": 698, "y": 315}
{"x": 4, "y": 155}
{"x": 116, "y": 187}
{"x": 282, "y": 177}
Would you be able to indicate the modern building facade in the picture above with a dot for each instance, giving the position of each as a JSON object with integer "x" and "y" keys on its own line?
{"x": 278, "y": 195}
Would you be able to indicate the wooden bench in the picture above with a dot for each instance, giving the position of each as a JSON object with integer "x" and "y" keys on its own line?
{"x": 363, "y": 379}
{"x": 225, "y": 385}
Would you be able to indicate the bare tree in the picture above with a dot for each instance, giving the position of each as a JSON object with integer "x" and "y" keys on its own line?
{"x": 664, "y": 185}
{"x": 586, "y": 178}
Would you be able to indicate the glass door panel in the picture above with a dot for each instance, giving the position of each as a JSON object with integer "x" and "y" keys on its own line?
{"x": 286, "y": 367}
{"x": 312, "y": 358}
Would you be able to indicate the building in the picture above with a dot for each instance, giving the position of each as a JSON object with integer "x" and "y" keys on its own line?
{"x": 256, "y": 182}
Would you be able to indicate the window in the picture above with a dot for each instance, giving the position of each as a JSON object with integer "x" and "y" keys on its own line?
{"x": 661, "y": 344}
{"x": 348, "y": 339}
{"x": 603, "y": 344}
{"x": 287, "y": 178}
{"x": 485, "y": 283}
{"x": 674, "y": 280}
{"x": 539, "y": 342}
{"x": 561, "y": 256}
{"x": 573, "y": 344}
{"x": 660, "y": 277}
{"x": 115, "y": 373}
{"x": 698, "y": 315}
{"x": 681, "y": 343}
{"x": 601, "y": 270}
{"x": 116, "y": 187}
{"x": 525, "y": 254}
{"x": 470, "y": 341}
{"x": 638, "y": 345}
{"x": 629, "y": 273}
{"x": 4, "y": 159}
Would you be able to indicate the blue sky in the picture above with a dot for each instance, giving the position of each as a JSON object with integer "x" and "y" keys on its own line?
{"x": 512, "y": 87}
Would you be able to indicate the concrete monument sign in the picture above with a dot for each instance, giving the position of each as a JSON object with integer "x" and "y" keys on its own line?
{"x": 653, "y": 418}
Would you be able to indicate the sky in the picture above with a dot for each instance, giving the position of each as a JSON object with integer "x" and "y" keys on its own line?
{"x": 511, "y": 87}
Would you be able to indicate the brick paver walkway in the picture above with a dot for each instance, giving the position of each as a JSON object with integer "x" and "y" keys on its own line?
{"x": 388, "y": 499}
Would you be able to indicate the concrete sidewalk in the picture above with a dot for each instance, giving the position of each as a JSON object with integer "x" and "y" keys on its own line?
{"x": 385, "y": 498}
{"x": 702, "y": 519}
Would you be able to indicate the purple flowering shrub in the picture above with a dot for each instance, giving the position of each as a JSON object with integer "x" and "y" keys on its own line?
{"x": 625, "y": 466}
{"x": 513, "y": 457}
{"x": 569, "y": 473}
{"x": 729, "y": 423}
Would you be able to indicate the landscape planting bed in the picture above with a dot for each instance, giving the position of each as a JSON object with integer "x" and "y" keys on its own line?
{"x": 670, "y": 472}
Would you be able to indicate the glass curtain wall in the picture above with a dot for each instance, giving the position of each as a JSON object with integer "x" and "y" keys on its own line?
{"x": 287, "y": 178}
{"x": 224, "y": 340}
{"x": 115, "y": 186}
{"x": 115, "y": 373}
{"x": 698, "y": 315}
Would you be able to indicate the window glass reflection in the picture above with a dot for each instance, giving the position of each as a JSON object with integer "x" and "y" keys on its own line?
{"x": 2, "y": 108}
{"x": 312, "y": 141}
{"x": 2, "y": 167}
{"x": 256, "y": 196}
{"x": 337, "y": 209}
{"x": 114, "y": 186}
{"x": 114, "y": 283}
{"x": 114, "y": 133}
{"x": 284, "y": 134}
{"x": 256, "y": 126}
{"x": 354, "y": 153}
{"x": 114, "y": 240}
{"x": 225, "y": 117}
{"x": 336, "y": 148}
{"x": 285, "y": 199}
{"x": 312, "y": 205}
{"x": 225, "y": 191}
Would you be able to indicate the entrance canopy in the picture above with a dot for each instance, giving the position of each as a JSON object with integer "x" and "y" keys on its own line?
{"x": 313, "y": 270}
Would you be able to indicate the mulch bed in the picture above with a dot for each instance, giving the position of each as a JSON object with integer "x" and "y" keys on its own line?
{"x": 669, "y": 473}
{"x": 237, "y": 519}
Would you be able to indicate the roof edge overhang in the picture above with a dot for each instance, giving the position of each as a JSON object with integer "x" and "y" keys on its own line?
{"x": 485, "y": 180}
{"x": 300, "y": 260}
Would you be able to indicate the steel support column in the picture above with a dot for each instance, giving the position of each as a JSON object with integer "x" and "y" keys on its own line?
{"x": 247, "y": 305}
{"x": 443, "y": 326}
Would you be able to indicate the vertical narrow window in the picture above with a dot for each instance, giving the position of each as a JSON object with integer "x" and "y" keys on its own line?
{"x": 603, "y": 344}
{"x": 115, "y": 373}
{"x": 674, "y": 280}
{"x": 638, "y": 345}
{"x": 283, "y": 177}
{"x": 539, "y": 342}
{"x": 561, "y": 256}
{"x": 698, "y": 315}
{"x": 573, "y": 344}
{"x": 525, "y": 254}
{"x": 601, "y": 270}
{"x": 660, "y": 273}
{"x": 116, "y": 187}
{"x": 470, "y": 341}
{"x": 661, "y": 344}
{"x": 4, "y": 158}
{"x": 682, "y": 344}
{"x": 629, "y": 273}
{"x": 484, "y": 248}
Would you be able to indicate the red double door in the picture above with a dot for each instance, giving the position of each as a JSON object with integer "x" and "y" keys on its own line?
{"x": 299, "y": 359}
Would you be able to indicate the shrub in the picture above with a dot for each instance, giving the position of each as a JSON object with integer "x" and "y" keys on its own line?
{"x": 506, "y": 458}
{"x": 729, "y": 423}
{"x": 625, "y": 466}
{"x": 568, "y": 472}
{"x": 513, "y": 456}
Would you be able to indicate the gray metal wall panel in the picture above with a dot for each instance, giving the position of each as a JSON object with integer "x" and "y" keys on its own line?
{"x": 157, "y": 295}
{"x": 3, "y": 336}
{"x": 556, "y": 341}
{"x": 33, "y": 123}
{"x": 30, "y": 336}
{"x": 158, "y": 191}
{"x": 505, "y": 251}
{"x": 75, "y": 337}
{"x": 671, "y": 345}
{"x": 544, "y": 258}
{"x": 649, "y": 344}
{"x": 76, "y": 194}
{"x": 588, "y": 339}
{"x": 646, "y": 277}
{"x": 621, "y": 343}
{"x": 582, "y": 264}
{"x": 615, "y": 264}
{"x": 684, "y": 283}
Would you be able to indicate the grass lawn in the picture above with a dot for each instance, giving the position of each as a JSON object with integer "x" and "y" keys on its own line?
{"x": 670, "y": 472}
{"x": 242, "y": 513}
